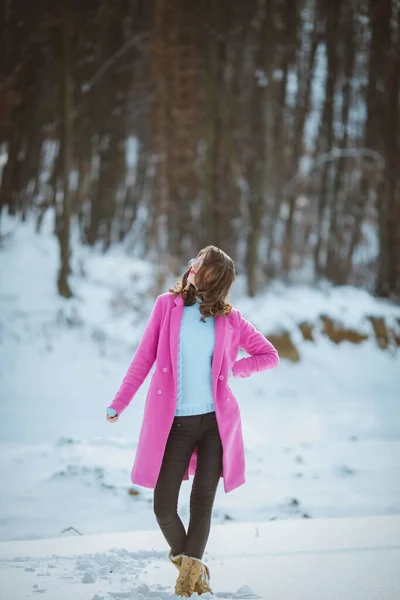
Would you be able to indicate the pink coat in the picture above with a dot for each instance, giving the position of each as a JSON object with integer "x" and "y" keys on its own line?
{"x": 159, "y": 343}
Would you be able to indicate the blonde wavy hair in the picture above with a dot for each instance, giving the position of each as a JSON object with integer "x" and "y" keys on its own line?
{"x": 214, "y": 280}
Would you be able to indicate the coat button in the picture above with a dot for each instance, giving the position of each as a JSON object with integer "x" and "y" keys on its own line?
{"x": 159, "y": 392}
{"x": 221, "y": 377}
{"x": 227, "y": 399}
{"x": 165, "y": 369}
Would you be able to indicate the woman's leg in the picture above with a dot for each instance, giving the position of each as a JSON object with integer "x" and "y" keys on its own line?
{"x": 206, "y": 479}
{"x": 181, "y": 442}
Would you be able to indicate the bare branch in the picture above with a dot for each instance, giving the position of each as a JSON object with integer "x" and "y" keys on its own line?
{"x": 133, "y": 41}
{"x": 331, "y": 156}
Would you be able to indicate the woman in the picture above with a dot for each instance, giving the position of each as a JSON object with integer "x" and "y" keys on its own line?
{"x": 192, "y": 422}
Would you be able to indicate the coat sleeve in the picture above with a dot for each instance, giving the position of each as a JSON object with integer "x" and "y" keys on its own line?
{"x": 142, "y": 361}
{"x": 262, "y": 353}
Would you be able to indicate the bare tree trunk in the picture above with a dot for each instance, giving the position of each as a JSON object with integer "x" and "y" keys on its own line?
{"x": 63, "y": 224}
{"x": 256, "y": 169}
{"x": 332, "y": 20}
{"x": 208, "y": 223}
{"x": 286, "y": 38}
{"x": 385, "y": 84}
{"x": 388, "y": 273}
{"x": 305, "y": 74}
{"x": 336, "y": 266}
{"x": 134, "y": 193}
{"x": 9, "y": 189}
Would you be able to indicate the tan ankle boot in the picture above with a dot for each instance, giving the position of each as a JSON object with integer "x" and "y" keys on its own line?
{"x": 194, "y": 576}
{"x": 203, "y": 582}
{"x": 189, "y": 573}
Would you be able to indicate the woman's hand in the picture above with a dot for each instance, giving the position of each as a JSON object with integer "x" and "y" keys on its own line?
{"x": 112, "y": 419}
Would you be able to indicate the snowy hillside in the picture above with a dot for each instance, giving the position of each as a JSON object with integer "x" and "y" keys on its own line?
{"x": 322, "y": 436}
{"x": 321, "y": 559}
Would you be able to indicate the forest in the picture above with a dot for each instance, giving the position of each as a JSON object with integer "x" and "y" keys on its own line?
{"x": 269, "y": 128}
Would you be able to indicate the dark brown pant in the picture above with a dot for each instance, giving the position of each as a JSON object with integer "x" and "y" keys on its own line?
{"x": 185, "y": 434}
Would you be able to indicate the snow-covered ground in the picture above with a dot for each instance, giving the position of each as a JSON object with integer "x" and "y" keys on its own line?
{"x": 322, "y": 436}
{"x": 318, "y": 559}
